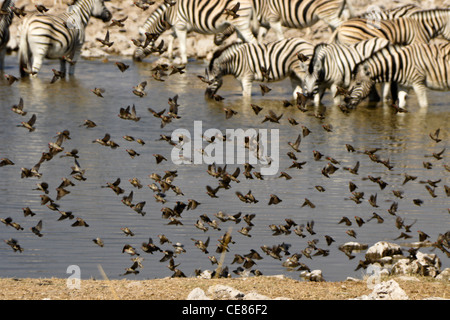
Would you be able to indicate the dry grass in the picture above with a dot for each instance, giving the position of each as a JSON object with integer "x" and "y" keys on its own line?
{"x": 179, "y": 288}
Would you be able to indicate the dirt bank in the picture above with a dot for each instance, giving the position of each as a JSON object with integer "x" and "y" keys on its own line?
{"x": 179, "y": 288}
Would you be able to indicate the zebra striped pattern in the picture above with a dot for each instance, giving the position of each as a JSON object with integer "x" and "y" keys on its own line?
{"x": 421, "y": 26}
{"x": 205, "y": 17}
{"x": 247, "y": 62}
{"x": 394, "y": 13}
{"x": 296, "y": 14}
{"x": 418, "y": 66}
{"x": 5, "y": 22}
{"x": 57, "y": 36}
{"x": 331, "y": 65}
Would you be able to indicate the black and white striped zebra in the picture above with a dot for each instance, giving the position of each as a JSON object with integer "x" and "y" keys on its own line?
{"x": 5, "y": 22}
{"x": 205, "y": 17}
{"x": 249, "y": 62}
{"x": 417, "y": 66}
{"x": 419, "y": 26}
{"x": 297, "y": 14}
{"x": 332, "y": 64}
{"x": 57, "y": 36}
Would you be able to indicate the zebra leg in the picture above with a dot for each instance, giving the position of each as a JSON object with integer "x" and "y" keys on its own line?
{"x": 421, "y": 93}
{"x": 336, "y": 98}
{"x": 2, "y": 58}
{"x": 246, "y": 88}
{"x": 181, "y": 33}
{"x": 62, "y": 66}
{"x": 171, "y": 40}
{"x": 75, "y": 57}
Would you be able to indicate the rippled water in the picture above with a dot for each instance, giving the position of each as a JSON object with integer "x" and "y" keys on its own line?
{"x": 403, "y": 139}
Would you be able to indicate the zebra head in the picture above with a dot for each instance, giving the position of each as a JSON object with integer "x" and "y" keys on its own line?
{"x": 214, "y": 81}
{"x": 314, "y": 72}
{"x": 360, "y": 85}
{"x": 99, "y": 10}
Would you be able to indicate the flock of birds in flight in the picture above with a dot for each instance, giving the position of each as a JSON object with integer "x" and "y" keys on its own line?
{"x": 165, "y": 183}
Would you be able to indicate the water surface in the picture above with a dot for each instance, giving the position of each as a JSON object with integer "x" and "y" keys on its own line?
{"x": 403, "y": 139}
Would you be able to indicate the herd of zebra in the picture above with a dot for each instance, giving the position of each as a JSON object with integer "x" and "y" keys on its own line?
{"x": 395, "y": 47}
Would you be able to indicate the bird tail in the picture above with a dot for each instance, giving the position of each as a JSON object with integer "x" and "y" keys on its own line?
{"x": 24, "y": 50}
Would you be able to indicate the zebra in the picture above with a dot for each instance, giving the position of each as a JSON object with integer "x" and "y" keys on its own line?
{"x": 418, "y": 66}
{"x": 297, "y": 14}
{"x": 57, "y": 36}
{"x": 205, "y": 17}
{"x": 5, "y": 22}
{"x": 419, "y": 26}
{"x": 331, "y": 66}
{"x": 250, "y": 62}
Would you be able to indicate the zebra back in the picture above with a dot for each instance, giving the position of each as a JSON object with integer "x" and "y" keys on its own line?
{"x": 278, "y": 58}
{"x": 156, "y": 22}
{"x": 389, "y": 14}
{"x": 418, "y": 26}
{"x": 333, "y": 63}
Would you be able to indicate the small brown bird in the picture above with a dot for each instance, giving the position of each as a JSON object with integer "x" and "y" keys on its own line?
{"x": 302, "y": 57}
{"x": 345, "y": 220}
{"x": 376, "y": 216}
{"x": 89, "y": 124}
{"x": 422, "y": 235}
{"x": 435, "y": 136}
{"x": 274, "y": 199}
{"x": 256, "y": 108}
{"x": 14, "y": 244}
{"x": 41, "y": 8}
{"x": 295, "y": 145}
{"x": 80, "y": 223}
{"x": 127, "y": 231}
{"x": 122, "y": 66}
{"x": 159, "y": 158}
{"x": 264, "y": 89}
{"x": 29, "y": 124}
{"x": 360, "y": 221}
{"x": 18, "y": 108}
{"x": 203, "y": 246}
{"x": 232, "y": 12}
{"x": 272, "y": 117}
{"x": 118, "y": 22}
{"x": 403, "y": 236}
{"x": 139, "y": 89}
{"x": 98, "y": 242}
{"x": 353, "y": 170}
{"x": 27, "y": 212}
{"x": 245, "y": 231}
{"x": 37, "y": 229}
{"x": 105, "y": 41}
{"x": 229, "y": 113}
{"x": 308, "y": 203}
{"x": 19, "y": 12}
{"x": 56, "y": 75}
{"x": 130, "y": 250}
{"x": 351, "y": 233}
{"x": 11, "y": 79}
{"x": 98, "y": 92}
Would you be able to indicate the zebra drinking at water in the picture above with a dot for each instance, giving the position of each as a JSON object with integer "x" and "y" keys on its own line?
{"x": 249, "y": 62}
{"x": 57, "y": 36}
{"x": 5, "y": 22}
{"x": 418, "y": 66}
{"x": 205, "y": 17}
{"x": 331, "y": 66}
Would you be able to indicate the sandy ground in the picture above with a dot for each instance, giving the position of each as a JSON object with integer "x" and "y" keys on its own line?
{"x": 175, "y": 288}
{"x": 179, "y": 288}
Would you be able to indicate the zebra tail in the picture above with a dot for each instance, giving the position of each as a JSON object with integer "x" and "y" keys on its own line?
{"x": 24, "y": 51}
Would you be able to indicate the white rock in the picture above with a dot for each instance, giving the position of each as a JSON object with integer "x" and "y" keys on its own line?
{"x": 382, "y": 249}
{"x": 424, "y": 265}
{"x": 224, "y": 292}
{"x": 255, "y": 296}
{"x": 444, "y": 275}
{"x": 197, "y": 294}
{"x": 387, "y": 290}
{"x": 314, "y": 275}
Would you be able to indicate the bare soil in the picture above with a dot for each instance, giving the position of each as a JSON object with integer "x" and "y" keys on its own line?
{"x": 179, "y": 288}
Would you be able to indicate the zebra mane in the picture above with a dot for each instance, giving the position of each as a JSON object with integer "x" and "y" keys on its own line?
{"x": 315, "y": 55}
{"x": 220, "y": 51}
